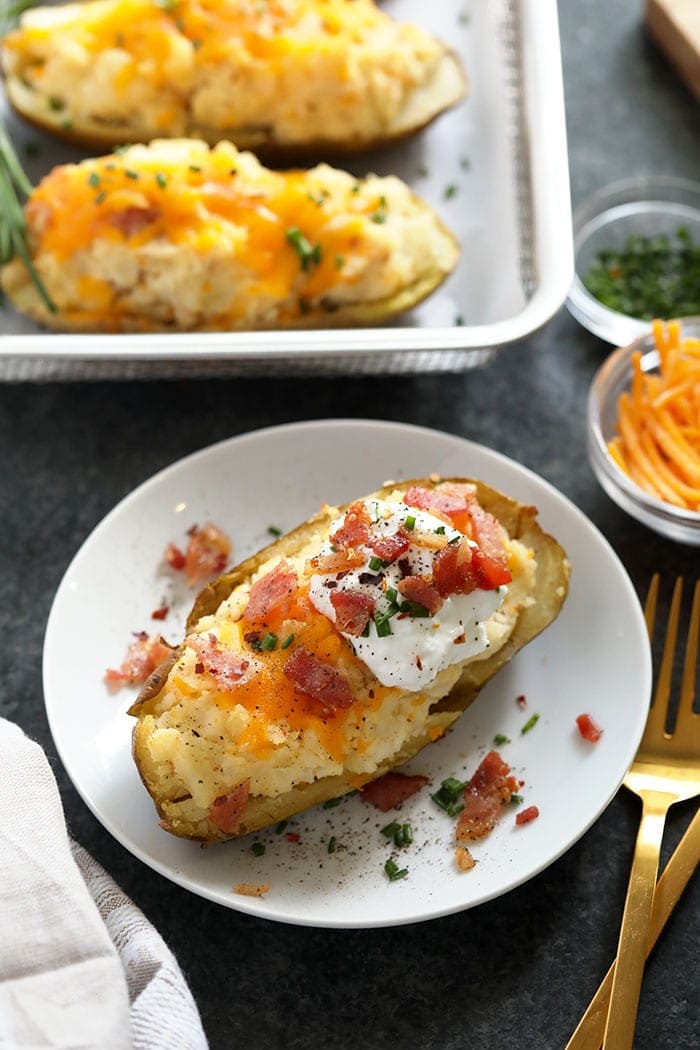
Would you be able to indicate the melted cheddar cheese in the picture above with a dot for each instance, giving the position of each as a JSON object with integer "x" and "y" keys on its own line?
{"x": 303, "y": 69}
{"x": 176, "y": 234}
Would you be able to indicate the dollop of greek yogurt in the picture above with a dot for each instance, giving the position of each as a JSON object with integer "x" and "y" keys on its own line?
{"x": 418, "y": 647}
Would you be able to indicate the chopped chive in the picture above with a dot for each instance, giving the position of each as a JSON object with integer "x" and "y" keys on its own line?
{"x": 391, "y": 829}
{"x": 449, "y": 795}
{"x": 281, "y": 826}
{"x": 274, "y": 531}
{"x": 355, "y": 188}
{"x": 304, "y": 305}
{"x": 339, "y": 262}
{"x": 365, "y": 633}
{"x": 56, "y": 104}
{"x": 450, "y": 191}
{"x": 67, "y": 124}
{"x": 131, "y": 174}
{"x": 530, "y": 724}
{"x": 410, "y": 522}
{"x": 413, "y": 609}
{"x": 161, "y": 179}
{"x": 501, "y": 738}
{"x": 286, "y": 642}
{"x": 516, "y": 799}
{"x": 269, "y": 642}
{"x": 100, "y": 197}
{"x": 122, "y": 149}
{"x": 459, "y": 321}
{"x": 258, "y": 849}
{"x": 309, "y": 254}
{"x": 407, "y": 834}
{"x": 394, "y": 872}
{"x": 195, "y": 167}
{"x": 383, "y": 626}
{"x": 331, "y": 844}
{"x": 440, "y": 530}
{"x": 391, "y": 594}
{"x": 375, "y": 563}
{"x": 93, "y": 179}
{"x": 331, "y": 803}
{"x": 455, "y": 539}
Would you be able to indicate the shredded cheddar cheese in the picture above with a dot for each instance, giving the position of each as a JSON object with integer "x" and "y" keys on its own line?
{"x": 658, "y": 440}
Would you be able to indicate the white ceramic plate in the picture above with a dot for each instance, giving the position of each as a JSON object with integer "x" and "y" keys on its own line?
{"x": 594, "y": 658}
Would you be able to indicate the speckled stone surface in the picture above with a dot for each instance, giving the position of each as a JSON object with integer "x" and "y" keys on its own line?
{"x": 516, "y": 972}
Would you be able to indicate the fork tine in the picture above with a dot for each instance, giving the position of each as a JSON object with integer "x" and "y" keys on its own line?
{"x": 650, "y": 604}
{"x": 656, "y": 722}
{"x": 685, "y": 726}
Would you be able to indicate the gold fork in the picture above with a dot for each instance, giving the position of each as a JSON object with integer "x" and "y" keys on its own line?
{"x": 666, "y": 769}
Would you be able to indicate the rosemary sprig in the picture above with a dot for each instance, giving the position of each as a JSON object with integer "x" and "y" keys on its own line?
{"x": 10, "y": 12}
{"x": 14, "y": 188}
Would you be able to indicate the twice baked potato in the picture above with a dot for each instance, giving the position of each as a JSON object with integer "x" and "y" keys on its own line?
{"x": 269, "y": 75}
{"x": 175, "y": 236}
{"x": 340, "y": 651}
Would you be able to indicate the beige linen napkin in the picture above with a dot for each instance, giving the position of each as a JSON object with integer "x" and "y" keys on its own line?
{"x": 80, "y": 965}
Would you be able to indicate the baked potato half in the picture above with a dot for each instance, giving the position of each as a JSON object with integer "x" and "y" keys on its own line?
{"x": 175, "y": 236}
{"x": 340, "y": 651}
{"x": 275, "y": 76}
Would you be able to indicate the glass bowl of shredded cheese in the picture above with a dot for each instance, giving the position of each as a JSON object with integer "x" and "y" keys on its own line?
{"x": 644, "y": 428}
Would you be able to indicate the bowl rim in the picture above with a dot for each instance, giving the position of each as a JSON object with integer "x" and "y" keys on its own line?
{"x": 604, "y": 381}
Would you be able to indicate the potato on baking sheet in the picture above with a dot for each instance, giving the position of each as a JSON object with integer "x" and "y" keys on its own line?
{"x": 175, "y": 236}
{"x": 340, "y": 651}
{"x": 269, "y": 75}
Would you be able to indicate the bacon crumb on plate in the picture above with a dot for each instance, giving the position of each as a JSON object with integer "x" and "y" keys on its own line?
{"x": 251, "y": 889}
{"x": 207, "y": 553}
{"x": 145, "y": 653}
{"x": 389, "y": 791}
{"x": 525, "y": 816}
{"x": 588, "y": 729}
{"x": 464, "y": 859}
{"x": 160, "y": 613}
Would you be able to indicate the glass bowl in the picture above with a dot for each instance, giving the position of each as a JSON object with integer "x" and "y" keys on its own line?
{"x": 612, "y": 378}
{"x": 647, "y": 205}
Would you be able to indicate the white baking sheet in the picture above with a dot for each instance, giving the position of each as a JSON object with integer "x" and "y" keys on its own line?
{"x": 494, "y": 168}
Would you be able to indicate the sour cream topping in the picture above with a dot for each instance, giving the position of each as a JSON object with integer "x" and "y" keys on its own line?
{"x": 418, "y": 647}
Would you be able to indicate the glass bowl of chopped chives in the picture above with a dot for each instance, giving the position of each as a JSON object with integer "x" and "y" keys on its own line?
{"x": 643, "y": 429}
{"x": 637, "y": 256}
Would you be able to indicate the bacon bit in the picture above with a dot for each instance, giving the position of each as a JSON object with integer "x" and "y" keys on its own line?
{"x": 488, "y": 790}
{"x": 225, "y": 666}
{"x": 588, "y": 729}
{"x": 251, "y": 889}
{"x": 226, "y": 811}
{"x": 489, "y": 558}
{"x": 272, "y": 592}
{"x": 434, "y": 499}
{"x": 338, "y": 561}
{"x": 453, "y": 572}
{"x": 421, "y": 590}
{"x": 292, "y": 836}
{"x": 389, "y": 548}
{"x": 354, "y": 530}
{"x": 174, "y": 557}
{"x": 526, "y": 815}
{"x": 132, "y": 220}
{"x": 144, "y": 654}
{"x": 199, "y": 667}
{"x": 390, "y": 790}
{"x": 521, "y": 701}
{"x": 160, "y": 613}
{"x": 319, "y": 681}
{"x": 464, "y": 859}
{"x": 353, "y": 611}
{"x": 208, "y": 552}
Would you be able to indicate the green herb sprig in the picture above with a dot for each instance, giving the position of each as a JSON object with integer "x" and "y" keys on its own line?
{"x": 15, "y": 187}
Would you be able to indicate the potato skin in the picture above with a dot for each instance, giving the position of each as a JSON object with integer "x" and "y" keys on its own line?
{"x": 550, "y": 590}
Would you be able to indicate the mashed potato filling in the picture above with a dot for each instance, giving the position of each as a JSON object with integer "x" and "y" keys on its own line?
{"x": 177, "y": 234}
{"x": 301, "y": 69}
{"x": 211, "y": 732}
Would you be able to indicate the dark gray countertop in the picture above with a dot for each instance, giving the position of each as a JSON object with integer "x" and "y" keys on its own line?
{"x": 518, "y": 971}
